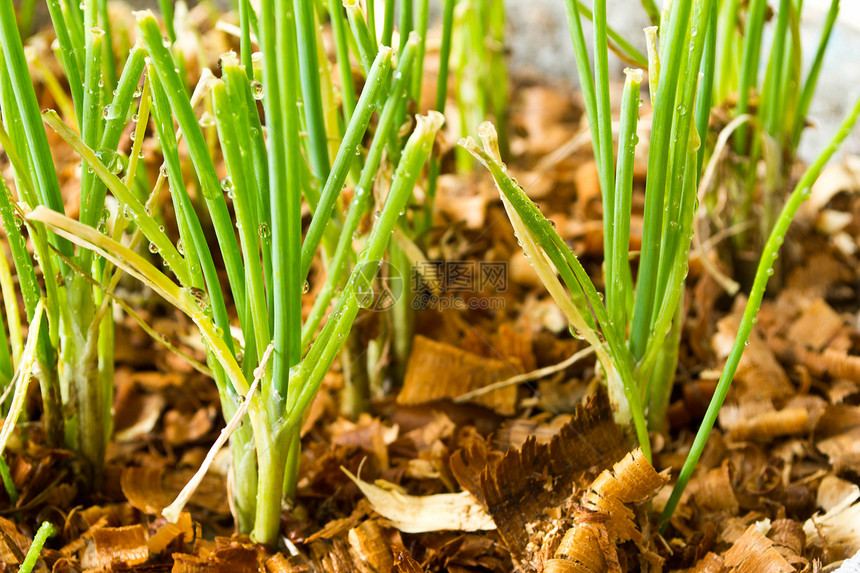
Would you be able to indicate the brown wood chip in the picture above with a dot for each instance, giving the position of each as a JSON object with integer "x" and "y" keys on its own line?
{"x": 437, "y": 371}
{"x": 110, "y": 544}
{"x": 755, "y": 553}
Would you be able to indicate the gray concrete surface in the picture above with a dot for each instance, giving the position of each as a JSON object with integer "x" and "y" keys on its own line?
{"x": 540, "y": 45}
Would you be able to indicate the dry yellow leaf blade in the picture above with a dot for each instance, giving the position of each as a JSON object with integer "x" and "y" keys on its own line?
{"x": 420, "y": 514}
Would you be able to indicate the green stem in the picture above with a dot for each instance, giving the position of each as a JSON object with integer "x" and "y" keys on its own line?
{"x": 313, "y": 368}
{"x": 388, "y": 23}
{"x": 201, "y": 158}
{"x": 655, "y": 187}
{"x": 361, "y": 195}
{"x": 811, "y": 81}
{"x": 309, "y": 72}
{"x": 45, "y": 531}
{"x": 347, "y": 87}
{"x": 441, "y": 99}
{"x": 45, "y": 176}
{"x": 347, "y": 152}
{"x": 619, "y": 233}
{"x": 749, "y": 68}
{"x": 630, "y": 51}
{"x": 763, "y": 272}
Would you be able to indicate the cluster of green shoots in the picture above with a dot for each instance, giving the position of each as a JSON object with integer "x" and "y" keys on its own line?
{"x": 768, "y": 117}
{"x": 635, "y": 326}
{"x": 73, "y": 354}
{"x": 274, "y": 119}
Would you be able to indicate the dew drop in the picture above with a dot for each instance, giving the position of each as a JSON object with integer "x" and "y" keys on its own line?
{"x": 153, "y": 248}
{"x": 227, "y": 185}
{"x": 306, "y": 287}
{"x": 200, "y": 297}
{"x": 257, "y": 89}
{"x": 263, "y": 230}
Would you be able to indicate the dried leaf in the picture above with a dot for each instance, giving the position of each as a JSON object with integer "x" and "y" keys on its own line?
{"x": 419, "y": 514}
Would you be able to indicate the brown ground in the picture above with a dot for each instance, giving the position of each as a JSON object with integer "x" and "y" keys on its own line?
{"x": 776, "y": 489}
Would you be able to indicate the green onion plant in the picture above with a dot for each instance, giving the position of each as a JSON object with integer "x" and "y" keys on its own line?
{"x": 75, "y": 350}
{"x": 769, "y": 87}
{"x": 635, "y": 325}
{"x": 275, "y": 161}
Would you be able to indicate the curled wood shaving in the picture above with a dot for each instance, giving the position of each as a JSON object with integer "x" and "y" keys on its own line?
{"x": 760, "y": 422}
{"x": 583, "y": 549}
{"x": 126, "y": 544}
{"x": 372, "y": 551}
{"x": 840, "y": 365}
{"x": 606, "y": 518}
{"x": 527, "y": 377}
{"x": 713, "y": 490}
{"x": 816, "y": 326}
{"x": 838, "y": 528}
{"x": 834, "y": 492}
{"x": 13, "y": 545}
{"x": 337, "y": 527}
{"x": 790, "y": 540}
{"x": 143, "y": 488}
{"x": 755, "y": 553}
{"x": 404, "y": 562}
{"x": 632, "y": 480}
{"x": 278, "y": 563}
{"x": 759, "y": 372}
{"x": 518, "y": 488}
{"x": 710, "y": 563}
{"x": 171, "y": 531}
